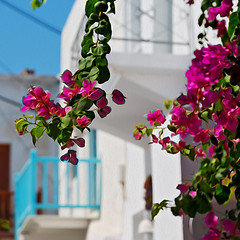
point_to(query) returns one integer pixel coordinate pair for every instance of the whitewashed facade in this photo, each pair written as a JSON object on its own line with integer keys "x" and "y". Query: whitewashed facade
{"x": 152, "y": 46}
{"x": 151, "y": 50}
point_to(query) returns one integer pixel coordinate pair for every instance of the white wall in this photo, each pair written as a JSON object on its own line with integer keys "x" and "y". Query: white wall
{"x": 152, "y": 79}
{"x": 15, "y": 87}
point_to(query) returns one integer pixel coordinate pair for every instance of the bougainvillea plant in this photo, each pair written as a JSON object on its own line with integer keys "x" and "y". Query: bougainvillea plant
{"x": 209, "y": 114}
{"x": 81, "y": 95}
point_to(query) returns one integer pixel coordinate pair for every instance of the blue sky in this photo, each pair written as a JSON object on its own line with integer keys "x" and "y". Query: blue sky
{"x": 26, "y": 44}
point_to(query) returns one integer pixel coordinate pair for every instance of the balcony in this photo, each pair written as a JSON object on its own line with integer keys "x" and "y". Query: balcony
{"x": 52, "y": 197}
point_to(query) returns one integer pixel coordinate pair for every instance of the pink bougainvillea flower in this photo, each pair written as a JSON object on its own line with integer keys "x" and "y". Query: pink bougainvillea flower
{"x": 67, "y": 109}
{"x": 80, "y": 142}
{"x": 83, "y": 121}
{"x": 70, "y": 143}
{"x": 211, "y": 150}
{"x": 39, "y": 100}
{"x": 211, "y": 220}
{"x": 230, "y": 227}
{"x": 213, "y": 234}
{"x": 88, "y": 90}
{"x": 68, "y": 93}
{"x": 183, "y": 187}
{"x": 221, "y": 27}
{"x": 218, "y": 132}
{"x": 56, "y": 110}
{"x": 104, "y": 111}
{"x": 156, "y": 118}
{"x": 154, "y": 139}
{"x": 223, "y": 10}
{"x": 96, "y": 94}
{"x": 137, "y": 135}
{"x": 67, "y": 78}
{"x": 235, "y": 142}
{"x": 193, "y": 194}
{"x": 202, "y": 136}
{"x": 70, "y": 156}
{"x": 102, "y": 102}
{"x": 36, "y": 99}
{"x": 118, "y": 97}
{"x": 200, "y": 153}
{"x": 164, "y": 142}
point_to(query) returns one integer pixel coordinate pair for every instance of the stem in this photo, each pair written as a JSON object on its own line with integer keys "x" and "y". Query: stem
{"x": 80, "y": 101}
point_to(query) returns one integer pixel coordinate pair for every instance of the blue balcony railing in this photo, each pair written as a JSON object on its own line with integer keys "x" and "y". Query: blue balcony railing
{"x": 39, "y": 172}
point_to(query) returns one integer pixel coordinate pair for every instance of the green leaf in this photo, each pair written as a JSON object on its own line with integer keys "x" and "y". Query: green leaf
{"x": 36, "y": 133}
{"x": 160, "y": 133}
{"x": 5, "y": 224}
{"x": 53, "y": 131}
{"x": 86, "y": 63}
{"x": 171, "y": 128}
{"x": 87, "y": 43}
{"x": 189, "y": 206}
{"x": 37, "y": 3}
{"x": 104, "y": 74}
{"x": 203, "y": 203}
{"x": 149, "y": 131}
{"x": 30, "y": 116}
{"x": 89, "y": 7}
{"x": 65, "y": 121}
{"x": 90, "y": 114}
{"x": 159, "y": 206}
{"x": 222, "y": 194}
{"x": 101, "y": 6}
{"x": 93, "y": 18}
{"x": 192, "y": 154}
{"x": 175, "y": 211}
{"x": 218, "y": 106}
{"x": 101, "y": 50}
{"x": 64, "y": 136}
{"x": 168, "y": 103}
{"x": 112, "y": 8}
{"x": 101, "y": 61}
{"x": 20, "y": 124}
{"x": 235, "y": 88}
{"x": 104, "y": 29}
{"x": 233, "y": 24}
{"x": 93, "y": 74}
{"x": 82, "y": 104}
{"x": 42, "y": 120}
{"x": 205, "y": 116}
{"x": 221, "y": 173}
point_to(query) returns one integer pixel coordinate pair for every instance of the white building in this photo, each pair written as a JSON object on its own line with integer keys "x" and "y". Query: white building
{"x": 14, "y": 149}
{"x": 152, "y": 44}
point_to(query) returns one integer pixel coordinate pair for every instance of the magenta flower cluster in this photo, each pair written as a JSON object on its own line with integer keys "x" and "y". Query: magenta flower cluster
{"x": 39, "y": 100}
{"x": 206, "y": 101}
{"x": 77, "y": 110}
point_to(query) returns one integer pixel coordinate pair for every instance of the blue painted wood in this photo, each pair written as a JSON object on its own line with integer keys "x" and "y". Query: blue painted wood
{"x": 32, "y": 179}
{"x": 25, "y": 183}
{"x": 56, "y": 182}
{"x": 93, "y": 143}
{"x": 92, "y": 167}
{"x": 45, "y": 182}
{"x": 78, "y": 184}
{"x": 67, "y": 184}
